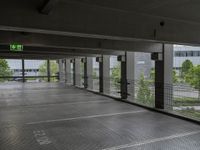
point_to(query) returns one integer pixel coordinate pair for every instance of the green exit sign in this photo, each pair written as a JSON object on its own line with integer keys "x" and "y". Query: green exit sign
{"x": 16, "y": 47}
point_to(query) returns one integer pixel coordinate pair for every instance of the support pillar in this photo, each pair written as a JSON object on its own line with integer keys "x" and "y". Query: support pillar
{"x": 23, "y": 71}
{"x": 130, "y": 65}
{"x": 89, "y": 73}
{"x": 85, "y": 77}
{"x": 104, "y": 74}
{"x": 48, "y": 71}
{"x": 123, "y": 80}
{"x": 100, "y": 61}
{"x": 163, "y": 77}
{"x": 61, "y": 70}
{"x": 77, "y": 69}
{"x": 74, "y": 74}
{"x": 68, "y": 71}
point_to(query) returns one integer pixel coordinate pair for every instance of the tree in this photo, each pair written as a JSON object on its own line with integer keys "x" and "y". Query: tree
{"x": 4, "y": 70}
{"x": 186, "y": 66}
{"x": 144, "y": 93}
{"x": 116, "y": 75}
{"x": 193, "y": 77}
{"x": 152, "y": 75}
{"x": 175, "y": 77}
{"x": 53, "y": 68}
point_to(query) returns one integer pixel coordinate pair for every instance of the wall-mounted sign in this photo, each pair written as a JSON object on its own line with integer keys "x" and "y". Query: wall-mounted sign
{"x": 16, "y": 47}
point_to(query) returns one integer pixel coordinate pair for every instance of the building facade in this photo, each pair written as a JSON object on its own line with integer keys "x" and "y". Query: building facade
{"x": 183, "y": 53}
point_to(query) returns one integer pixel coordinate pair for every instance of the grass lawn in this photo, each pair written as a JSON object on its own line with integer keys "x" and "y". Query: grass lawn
{"x": 186, "y": 101}
{"x": 190, "y": 113}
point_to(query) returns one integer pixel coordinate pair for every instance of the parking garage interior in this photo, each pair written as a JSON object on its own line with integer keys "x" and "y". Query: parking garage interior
{"x": 99, "y": 75}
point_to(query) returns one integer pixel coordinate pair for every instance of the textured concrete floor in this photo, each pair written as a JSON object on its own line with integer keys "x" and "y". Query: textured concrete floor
{"x": 52, "y": 116}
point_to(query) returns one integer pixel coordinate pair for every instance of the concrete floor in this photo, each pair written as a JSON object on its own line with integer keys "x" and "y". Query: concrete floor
{"x": 52, "y": 116}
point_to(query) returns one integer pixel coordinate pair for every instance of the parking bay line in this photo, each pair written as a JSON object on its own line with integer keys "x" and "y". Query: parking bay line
{"x": 86, "y": 117}
{"x": 130, "y": 145}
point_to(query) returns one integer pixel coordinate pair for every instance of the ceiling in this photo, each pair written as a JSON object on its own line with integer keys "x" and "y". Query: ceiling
{"x": 100, "y": 26}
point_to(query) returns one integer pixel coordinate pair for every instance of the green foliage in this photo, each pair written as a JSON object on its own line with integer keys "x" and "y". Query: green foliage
{"x": 195, "y": 114}
{"x": 116, "y": 75}
{"x": 175, "y": 77}
{"x": 186, "y": 66}
{"x": 193, "y": 78}
{"x": 94, "y": 74}
{"x": 152, "y": 75}
{"x": 43, "y": 69}
{"x": 4, "y": 70}
{"x": 186, "y": 101}
{"x": 53, "y": 68}
{"x": 144, "y": 95}
{"x": 82, "y": 68}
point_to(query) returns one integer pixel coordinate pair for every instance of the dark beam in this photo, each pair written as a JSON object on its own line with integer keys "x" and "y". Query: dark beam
{"x": 81, "y": 20}
{"x": 56, "y": 41}
{"x": 48, "y": 6}
{"x": 30, "y": 56}
{"x": 64, "y": 51}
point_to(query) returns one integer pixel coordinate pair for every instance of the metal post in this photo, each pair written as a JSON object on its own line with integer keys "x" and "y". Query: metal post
{"x": 74, "y": 73}
{"x": 84, "y": 61}
{"x": 100, "y": 74}
{"x": 123, "y": 81}
{"x": 48, "y": 71}
{"x": 23, "y": 71}
{"x": 159, "y": 84}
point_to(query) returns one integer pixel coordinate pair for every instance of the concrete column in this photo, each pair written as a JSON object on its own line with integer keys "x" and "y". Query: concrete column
{"x": 168, "y": 76}
{"x": 74, "y": 74}
{"x": 77, "y": 69}
{"x": 100, "y": 60}
{"x": 89, "y": 73}
{"x": 106, "y": 74}
{"x": 65, "y": 71}
{"x": 23, "y": 71}
{"x": 163, "y": 77}
{"x": 61, "y": 70}
{"x": 130, "y": 65}
{"x": 48, "y": 71}
{"x": 85, "y": 77}
{"x": 123, "y": 81}
{"x": 68, "y": 71}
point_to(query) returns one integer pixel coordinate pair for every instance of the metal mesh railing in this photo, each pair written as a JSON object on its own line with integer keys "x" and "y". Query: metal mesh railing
{"x": 112, "y": 86}
{"x": 95, "y": 82}
{"x": 186, "y": 101}
{"x": 181, "y": 99}
{"x": 142, "y": 92}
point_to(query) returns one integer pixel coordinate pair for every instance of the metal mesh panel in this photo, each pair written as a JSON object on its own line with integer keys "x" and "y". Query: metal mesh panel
{"x": 178, "y": 98}
{"x": 95, "y": 81}
{"x": 182, "y": 99}
{"x": 142, "y": 92}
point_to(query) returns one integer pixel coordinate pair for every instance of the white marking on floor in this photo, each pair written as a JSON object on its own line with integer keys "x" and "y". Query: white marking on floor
{"x": 152, "y": 140}
{"x": 86, "y": 117}
{"x": 65, "y": 103}
{"x": 41, "y": 137}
